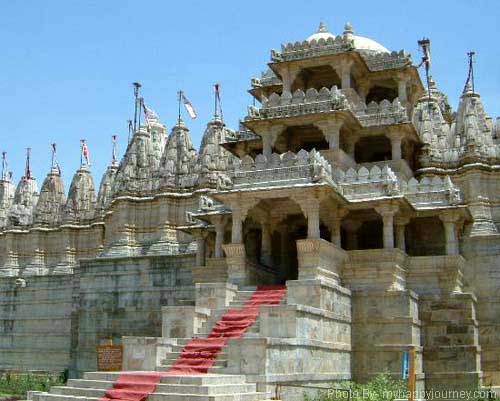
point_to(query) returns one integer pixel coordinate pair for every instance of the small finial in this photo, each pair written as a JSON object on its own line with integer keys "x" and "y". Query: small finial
{"x": 322, "y": 28}
{"x": 468, "y": 88}
{"x": 432, "y": 83}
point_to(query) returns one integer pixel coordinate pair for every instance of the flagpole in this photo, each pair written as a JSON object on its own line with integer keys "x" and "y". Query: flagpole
{"x": 4, "y": 162}
{"x": 179, "y": 108}
{"x": 81, "y": 152}
{"x": 27, "y": 171}
{"x": 139, "y": 114}
{"x": 136, "y": 85}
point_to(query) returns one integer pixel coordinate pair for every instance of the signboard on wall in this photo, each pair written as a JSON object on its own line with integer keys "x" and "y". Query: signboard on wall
{"x": 109, "y": 358}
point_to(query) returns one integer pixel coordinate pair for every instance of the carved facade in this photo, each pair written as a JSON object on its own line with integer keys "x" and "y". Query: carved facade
{"x": 350, "y": 182}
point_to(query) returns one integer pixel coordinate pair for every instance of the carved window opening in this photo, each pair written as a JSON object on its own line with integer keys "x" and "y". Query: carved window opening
{"x": 316, "y": 77}
{"x": 378, "y": 93}
{"x": 425, "y": 237}
{"x": 373, "y": 149}
{"x": 370, "y": 234}
{"x": 306, "y": 137}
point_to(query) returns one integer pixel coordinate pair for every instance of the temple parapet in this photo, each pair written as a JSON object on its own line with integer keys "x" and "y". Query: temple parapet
{"x": 286, "y": 169}
{"x": 312, "y": 48}
{"x": 383, "y": 113}
{"x": 299, "y": 103}
{"x": 387, "y": 61}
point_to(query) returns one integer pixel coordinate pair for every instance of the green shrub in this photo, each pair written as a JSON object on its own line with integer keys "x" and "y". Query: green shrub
{"x": 20, "y": 383}
{"x": 382, "y": 388}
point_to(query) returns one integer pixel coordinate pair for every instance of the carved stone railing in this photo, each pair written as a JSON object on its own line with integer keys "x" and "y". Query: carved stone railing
{"x": 241, "y": 136}
{"x": 386, "y": 61}
{"x": 313, "y": 48}
{"x": 431, "y": 192}
{"x": 383, "y": 113}
{"x": 268, "y": 78}
{"x": 364, "y": 184}
{"x": 299, "y": 103}
{"x": 286, "y": 169}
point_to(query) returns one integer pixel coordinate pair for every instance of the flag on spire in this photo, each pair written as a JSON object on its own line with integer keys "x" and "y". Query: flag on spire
{"x": 4, "y": 165}
{"x": 189, "y": 107}
{"x": 27, "y": 169}
{"x": 54, "y": 158}
{"x": 218, "y": 102}
{"x": 84, "y": 152}
{"x": 114, "y": 159}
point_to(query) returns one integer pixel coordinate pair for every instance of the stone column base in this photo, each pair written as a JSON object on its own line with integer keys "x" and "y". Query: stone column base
{"x": 376, "y": 270}
{"x": 319, "y": 260}
{"x": 215, "y": 271}
{"x": 237, "y": 271}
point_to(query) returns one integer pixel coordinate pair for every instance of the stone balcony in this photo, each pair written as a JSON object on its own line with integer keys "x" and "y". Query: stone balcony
{"x": 286, "y": 169}
{"x": 358, "y": 184}
{"x": 312, "y": 101}
{"x": 299, "y": 103}
{"x": 383, "y": 113}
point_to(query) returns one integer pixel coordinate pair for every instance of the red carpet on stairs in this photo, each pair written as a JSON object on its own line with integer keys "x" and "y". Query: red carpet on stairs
{"x": 199, "y": 354}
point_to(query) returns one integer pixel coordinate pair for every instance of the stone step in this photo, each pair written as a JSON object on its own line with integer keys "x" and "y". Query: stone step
{"x": 199, "y": 380}
{"x": 212, "y": 370}
{"x": 250, "y": 396}
{"x": 78, "y": 391}
{"x": 98, "y": 389}
{"x": 217, "y": 362}
{"x": 82, "y": 383}
{"x": 59, "y": 397}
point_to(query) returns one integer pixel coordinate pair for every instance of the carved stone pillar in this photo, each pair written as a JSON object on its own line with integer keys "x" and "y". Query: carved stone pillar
{"x": 395, "y": 138}
{"x": 269, "y": 139}
{"x": 450, "y": 219}
{"x": 336, "y": 226}
{"x": 345, "y": 73}
{"x": 331, "y": 131}
{"x": 402, "y": 88}
{"x": 350, "y": 143}
{"x": 351, "y": 227}
{"x": 288, "y": 76}
{"x": 200, "y": 249}
{"x": 219, "y": 223}
{"x": 266, "y": 256}
{"x": 400, "y": 224}
{"x": 387, "y": 212}
{"x": 284, "y": 262}
{"x": 363, "y": 90}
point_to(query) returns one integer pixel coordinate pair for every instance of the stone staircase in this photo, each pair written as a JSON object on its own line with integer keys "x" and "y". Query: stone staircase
{"x": 213, "y": 386}
{"x": 220, "y": 363}
{"x": 208, "y": 387}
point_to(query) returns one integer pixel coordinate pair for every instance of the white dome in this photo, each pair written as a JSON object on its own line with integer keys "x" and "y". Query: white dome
{"x": 320, "y": 35}
{"x": 362, "y": 43}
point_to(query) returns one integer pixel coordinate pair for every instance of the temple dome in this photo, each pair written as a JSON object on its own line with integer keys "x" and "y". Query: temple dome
{"x": 360, "y": 42}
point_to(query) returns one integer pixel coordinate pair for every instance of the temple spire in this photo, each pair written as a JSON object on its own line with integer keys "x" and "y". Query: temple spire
{"x": 469, "y": 83}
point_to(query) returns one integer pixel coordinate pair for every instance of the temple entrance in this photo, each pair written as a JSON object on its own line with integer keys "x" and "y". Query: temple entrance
{"x": 273, "y": 248}
{"x": 271, "y": 241}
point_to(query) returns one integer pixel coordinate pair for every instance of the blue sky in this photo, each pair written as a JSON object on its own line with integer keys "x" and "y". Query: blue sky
{"x": 67, "y": 66}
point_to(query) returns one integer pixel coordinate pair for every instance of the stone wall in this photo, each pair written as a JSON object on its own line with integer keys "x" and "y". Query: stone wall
{"x": 35, "y": 323}
{"x": 118, "y": 297}
{"x": 56, "y": 321}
